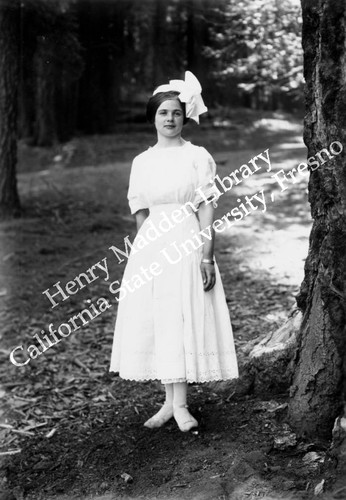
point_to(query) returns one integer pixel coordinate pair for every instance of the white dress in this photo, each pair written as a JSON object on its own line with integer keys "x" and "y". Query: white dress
{"x": 168, "y": 328}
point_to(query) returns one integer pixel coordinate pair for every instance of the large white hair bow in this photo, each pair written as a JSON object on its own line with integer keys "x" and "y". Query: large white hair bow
{"x": 189, "y": 92}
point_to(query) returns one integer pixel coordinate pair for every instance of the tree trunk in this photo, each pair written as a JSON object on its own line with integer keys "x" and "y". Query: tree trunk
{"x": 101, "y": 32}
{"x": 196, "y": 39}
{"x": 45, "y": 125}
{"x": 159, "y": 52}
{"x": 9, "y": 44}
{"x": 318, "y": 385}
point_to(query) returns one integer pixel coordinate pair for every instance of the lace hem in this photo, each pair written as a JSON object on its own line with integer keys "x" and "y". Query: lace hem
{"x": 189, "y": 379}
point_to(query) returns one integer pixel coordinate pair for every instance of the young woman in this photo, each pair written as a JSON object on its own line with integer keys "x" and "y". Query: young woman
{"x": 173, "y": 322}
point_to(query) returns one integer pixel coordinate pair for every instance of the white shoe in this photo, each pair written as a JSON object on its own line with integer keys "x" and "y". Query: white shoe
{"x": 160, "y": 418}
{"x": 184, "y": 419}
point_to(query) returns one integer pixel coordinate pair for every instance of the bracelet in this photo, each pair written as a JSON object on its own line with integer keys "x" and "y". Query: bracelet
{"x": 207, "y": 261}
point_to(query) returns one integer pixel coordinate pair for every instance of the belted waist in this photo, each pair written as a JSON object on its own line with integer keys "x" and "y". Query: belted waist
{"x": 168, "y": 208}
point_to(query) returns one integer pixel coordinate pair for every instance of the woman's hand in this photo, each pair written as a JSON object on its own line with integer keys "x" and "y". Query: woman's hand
{"x": 208, "y": 276}
{"x": 206, "y": 217}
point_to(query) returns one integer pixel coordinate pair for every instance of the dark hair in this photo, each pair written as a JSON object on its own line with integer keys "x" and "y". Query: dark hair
{"x": 156, "y": 100}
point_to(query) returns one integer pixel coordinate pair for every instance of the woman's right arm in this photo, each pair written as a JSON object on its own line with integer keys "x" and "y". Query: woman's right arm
{"x": 141, "y": 215}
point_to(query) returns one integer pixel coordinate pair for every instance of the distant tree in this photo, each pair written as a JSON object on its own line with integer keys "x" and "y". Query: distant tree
{"x": 9, "y": 52}
{"x": 106, "y": 35}
{"x": 198, "y": 23}
{"x": 50, "y": 65}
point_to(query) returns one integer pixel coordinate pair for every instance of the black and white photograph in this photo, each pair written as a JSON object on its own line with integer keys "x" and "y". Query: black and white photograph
{"x": 172, "y": 249}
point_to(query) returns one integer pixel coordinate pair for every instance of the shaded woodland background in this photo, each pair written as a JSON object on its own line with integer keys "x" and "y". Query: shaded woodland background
{"x": 86, "y": 69}
{"x": 86, "y": 66}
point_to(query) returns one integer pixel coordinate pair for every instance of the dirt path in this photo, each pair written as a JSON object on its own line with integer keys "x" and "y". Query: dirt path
{"x": 75, "y": 430}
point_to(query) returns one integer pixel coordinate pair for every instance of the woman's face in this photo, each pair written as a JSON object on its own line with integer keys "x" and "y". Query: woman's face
{"x": 169, "y": 118}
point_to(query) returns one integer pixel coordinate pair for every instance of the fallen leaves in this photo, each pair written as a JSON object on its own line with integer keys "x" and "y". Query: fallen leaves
{"x": 58, "y": 391}
{"x": 285, "y": 438}
{"x": 126, "y": 477}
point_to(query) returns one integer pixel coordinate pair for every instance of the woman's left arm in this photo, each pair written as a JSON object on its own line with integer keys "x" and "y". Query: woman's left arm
{"x": 206, "y": 219}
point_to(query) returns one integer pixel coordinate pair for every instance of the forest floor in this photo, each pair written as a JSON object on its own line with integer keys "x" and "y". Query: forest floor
{"x": 69, "y": 428}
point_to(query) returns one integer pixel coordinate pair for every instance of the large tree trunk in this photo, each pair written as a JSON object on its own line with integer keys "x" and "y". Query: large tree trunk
{"x": 318, "y": 386}
{"x": 9, "y": 44}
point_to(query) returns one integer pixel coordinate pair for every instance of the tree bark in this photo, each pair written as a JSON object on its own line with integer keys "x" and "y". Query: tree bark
{"x": 271, "y": 361}
{"x": 318, "y": 386}
{"x": 9, "y": 44}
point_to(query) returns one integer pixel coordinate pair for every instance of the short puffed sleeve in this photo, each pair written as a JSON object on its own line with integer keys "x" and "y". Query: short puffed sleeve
{"x": 135, "y": 195}
{"x": 206, "y": 171}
